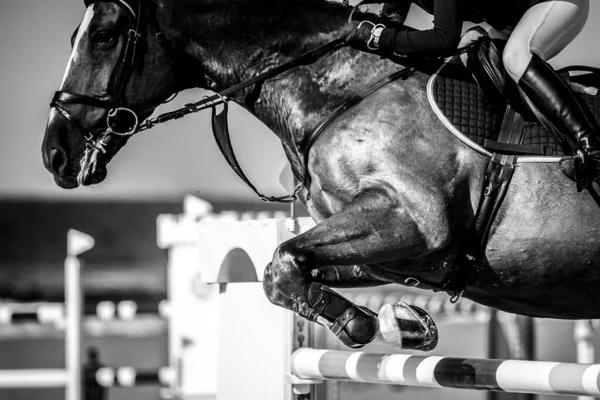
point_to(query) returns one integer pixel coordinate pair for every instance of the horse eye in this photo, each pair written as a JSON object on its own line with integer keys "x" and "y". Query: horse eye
{"x": 104, "y": 37}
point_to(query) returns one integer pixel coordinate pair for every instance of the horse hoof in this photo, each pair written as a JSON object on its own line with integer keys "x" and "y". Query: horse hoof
{"x": 355, "y": 326}
{"x": 407, "y": 327}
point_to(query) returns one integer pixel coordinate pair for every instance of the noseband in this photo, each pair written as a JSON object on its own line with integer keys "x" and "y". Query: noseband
{"x": 132, "y": 55}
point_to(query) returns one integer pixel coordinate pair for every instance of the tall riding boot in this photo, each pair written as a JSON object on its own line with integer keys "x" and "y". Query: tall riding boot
{"x": 558, "y": 109}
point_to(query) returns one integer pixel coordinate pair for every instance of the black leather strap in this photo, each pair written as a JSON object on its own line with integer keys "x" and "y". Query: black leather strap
{"x": 404, "y": 73}
{"x": 220, "y": 129}
{"x": 73, "y": 98}
{"x": 133, "y": 54}
{"x": 506, "y": 148}
{"x": 511, "y": 135}
{"x": 496, "y": 182}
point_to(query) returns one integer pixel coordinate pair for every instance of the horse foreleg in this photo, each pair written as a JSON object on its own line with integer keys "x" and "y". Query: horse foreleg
{"x": 400, "y": 324}
{"x": 374, "y": 228}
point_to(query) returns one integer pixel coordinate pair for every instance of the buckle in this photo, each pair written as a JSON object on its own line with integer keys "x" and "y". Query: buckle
{"x": 488, "y": 190}
{"x": 410, "y": 281}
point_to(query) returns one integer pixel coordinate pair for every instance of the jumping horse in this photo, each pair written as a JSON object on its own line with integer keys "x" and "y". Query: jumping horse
{"x": 394, "y": 192}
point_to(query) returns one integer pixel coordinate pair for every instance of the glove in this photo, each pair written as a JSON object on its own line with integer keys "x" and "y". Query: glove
{"x": 364, "y": 35}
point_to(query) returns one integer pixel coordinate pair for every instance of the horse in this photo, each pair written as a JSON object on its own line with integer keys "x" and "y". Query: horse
{"x": 393, "y": 194}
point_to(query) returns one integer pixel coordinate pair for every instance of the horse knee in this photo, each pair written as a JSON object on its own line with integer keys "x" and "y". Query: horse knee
{"x": 516, "y": 58}
{"x": 270, "y": 286}
{"x": 285, "y": 267}
{"x": 287, "y": 256}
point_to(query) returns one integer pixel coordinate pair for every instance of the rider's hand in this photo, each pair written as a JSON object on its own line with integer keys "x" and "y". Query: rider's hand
{"x": 364, "y": 35}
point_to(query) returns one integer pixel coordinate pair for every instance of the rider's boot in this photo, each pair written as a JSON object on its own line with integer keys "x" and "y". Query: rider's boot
{"x": 559, "y": 110}
{"x": 355, "y": 326}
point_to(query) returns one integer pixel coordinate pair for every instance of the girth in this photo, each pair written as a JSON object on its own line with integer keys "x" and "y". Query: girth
{"x": 468, "y": 265}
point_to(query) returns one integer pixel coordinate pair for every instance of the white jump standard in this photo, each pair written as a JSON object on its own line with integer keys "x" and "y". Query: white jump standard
{"x": 70, "y": 378}
{"x": 514, "y": 376}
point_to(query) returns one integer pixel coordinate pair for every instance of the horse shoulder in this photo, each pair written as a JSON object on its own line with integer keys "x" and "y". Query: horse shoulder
{"x": 392, "y": 141}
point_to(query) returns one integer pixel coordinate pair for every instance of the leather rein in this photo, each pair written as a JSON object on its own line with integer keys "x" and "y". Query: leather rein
{"x": 133, "y": 54}
{"x": 219, "y": 119}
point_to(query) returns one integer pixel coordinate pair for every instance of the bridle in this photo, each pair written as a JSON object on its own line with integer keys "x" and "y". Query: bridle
{"x": 132, "y": 54}
{"x": 131, "y": 58}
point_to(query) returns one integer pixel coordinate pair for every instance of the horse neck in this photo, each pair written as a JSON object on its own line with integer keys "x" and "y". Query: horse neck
{"x": 236, "y": 40}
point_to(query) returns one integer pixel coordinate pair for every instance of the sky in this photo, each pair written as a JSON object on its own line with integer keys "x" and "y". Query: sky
{"x": 161, "y": 164}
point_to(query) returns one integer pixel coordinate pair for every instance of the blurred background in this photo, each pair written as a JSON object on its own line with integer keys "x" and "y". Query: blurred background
{"x": 148, "y": 177}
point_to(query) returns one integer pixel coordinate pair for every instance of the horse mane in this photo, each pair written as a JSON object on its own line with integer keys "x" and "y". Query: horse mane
{"x": 283, "y": 24}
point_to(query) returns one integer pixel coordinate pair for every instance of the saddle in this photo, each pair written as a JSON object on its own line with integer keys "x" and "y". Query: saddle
{"x": 477, "y": 102}
{"x": 482, "y": 106}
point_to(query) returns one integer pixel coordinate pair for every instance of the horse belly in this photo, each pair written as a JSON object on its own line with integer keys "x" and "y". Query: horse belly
{"x": 544, "y": 256}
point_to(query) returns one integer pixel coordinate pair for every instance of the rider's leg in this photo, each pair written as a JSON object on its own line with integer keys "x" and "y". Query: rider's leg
{"x": 545, "y": 30}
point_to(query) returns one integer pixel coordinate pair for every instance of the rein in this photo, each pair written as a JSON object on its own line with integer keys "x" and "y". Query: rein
{"x": 221, "y": 97}
{"x": 219, "y": 120}
{"x": 131, "y": 57}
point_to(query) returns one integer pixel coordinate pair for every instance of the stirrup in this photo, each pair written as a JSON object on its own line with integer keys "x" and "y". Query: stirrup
{"x": 355, "y": 326}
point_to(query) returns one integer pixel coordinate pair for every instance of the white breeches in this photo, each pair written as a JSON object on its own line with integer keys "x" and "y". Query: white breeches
{"x": 545, "y": 29}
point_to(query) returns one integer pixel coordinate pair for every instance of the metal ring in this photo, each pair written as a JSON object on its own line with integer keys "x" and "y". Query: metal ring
{"x": 112, "y": 113}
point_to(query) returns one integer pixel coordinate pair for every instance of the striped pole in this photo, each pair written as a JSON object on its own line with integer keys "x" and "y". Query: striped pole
{"x": 513, "y": 376}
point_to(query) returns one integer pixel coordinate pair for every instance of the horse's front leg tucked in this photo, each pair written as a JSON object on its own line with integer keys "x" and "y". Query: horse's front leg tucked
{"x": 375, "y": 228}
{"x": 343, "y": 276}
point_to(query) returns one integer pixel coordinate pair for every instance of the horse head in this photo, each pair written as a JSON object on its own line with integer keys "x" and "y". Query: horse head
{"x": 119, "y": 71}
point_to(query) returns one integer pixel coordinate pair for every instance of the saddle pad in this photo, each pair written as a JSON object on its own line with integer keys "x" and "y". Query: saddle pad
{"x": 455, "y": 94}
{"x": 463, "y": 105}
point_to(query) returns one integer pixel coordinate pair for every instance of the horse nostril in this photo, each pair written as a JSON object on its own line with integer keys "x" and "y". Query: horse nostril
{"x": 57, "y": 160}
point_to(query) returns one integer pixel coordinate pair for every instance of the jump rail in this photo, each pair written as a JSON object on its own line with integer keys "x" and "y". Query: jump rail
{"x": 514, "y": 376}
{"x": 224, "y": 257}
